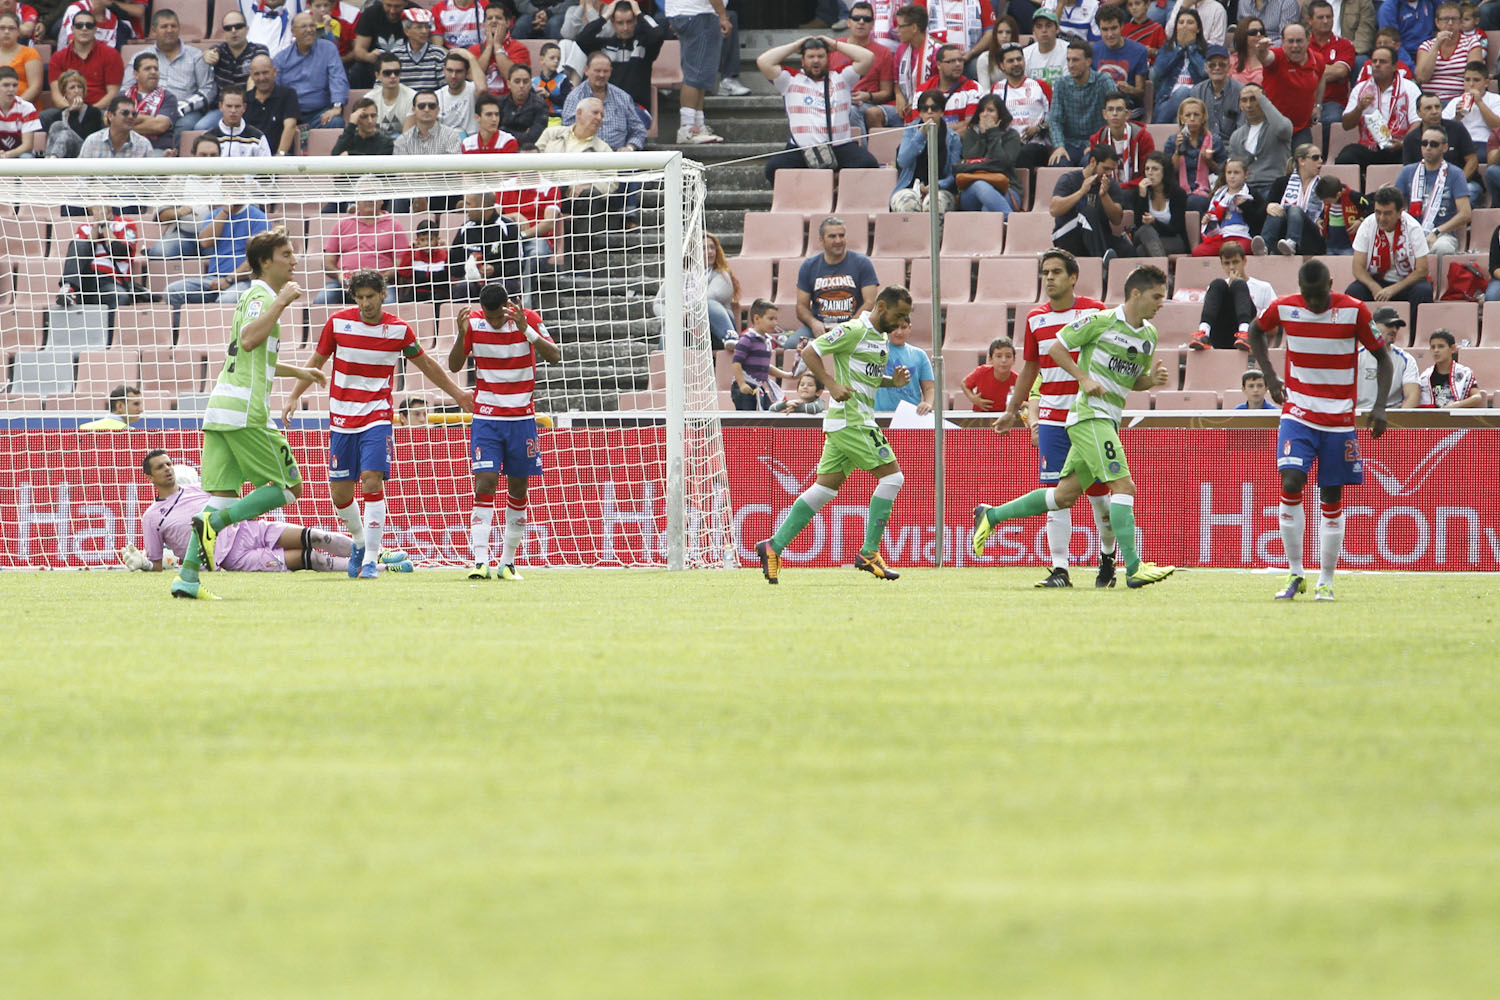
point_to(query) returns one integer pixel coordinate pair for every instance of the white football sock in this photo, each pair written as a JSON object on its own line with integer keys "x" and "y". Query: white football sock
{"x": 515, "y": 530}
{"x": 1059, "y": 531}
{"x": 1293, "y": 527}
{"x": 479, "y": 528}
{"x": 1331, "y": 542}
{"x": 330, "y": 541}
{"x": 349, "y": 518}
{"x": 374, "y": 526}
{"x": 1100, "y": 504}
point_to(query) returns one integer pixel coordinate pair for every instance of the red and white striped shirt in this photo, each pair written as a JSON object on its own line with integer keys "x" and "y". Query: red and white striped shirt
{"x": 456, "y": 26}
{"x": 1059, "y": 389}
{"x": 16, "y": 121}
{"x": 1322, "y": 357}
{"x": 364, "y": 363}
{"x": 501, "y": 142}
{"x": 505, "y": 367}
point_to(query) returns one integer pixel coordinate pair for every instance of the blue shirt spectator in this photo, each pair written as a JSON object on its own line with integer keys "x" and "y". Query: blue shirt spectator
{"x": 1129, "y": 64}
{"x": 919, "y": 390}
{"x": 623, "y": 123}
{"x": 229, "y": 248}
{"x": 1415, "y": 21}
{"x": 316, "y": 76}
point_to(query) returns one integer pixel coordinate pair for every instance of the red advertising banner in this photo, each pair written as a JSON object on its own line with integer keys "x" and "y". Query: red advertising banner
{"x": 1207, "y": 497}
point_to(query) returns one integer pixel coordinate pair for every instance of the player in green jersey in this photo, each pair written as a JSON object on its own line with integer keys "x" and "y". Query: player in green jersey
{"x": 852, "y": 440}
{"x": 240, "y": 441}
{"x": 1115, "y": 349}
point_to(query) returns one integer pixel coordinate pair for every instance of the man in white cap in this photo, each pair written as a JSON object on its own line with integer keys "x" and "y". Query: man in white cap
{"x": 421, "y": 58}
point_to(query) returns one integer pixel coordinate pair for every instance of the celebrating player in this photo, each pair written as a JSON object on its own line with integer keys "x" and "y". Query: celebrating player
{"x": 365, "y": 342}
{"x": 1324, "y": 331}
{"x": 851, "y": 438}
{"x": 247, "y": 547}
{"x": 1113, "y": 348}
{"x": 1059, "y": 278}
{"x": 240, "y": 443}
{"x": 505, "y": 341}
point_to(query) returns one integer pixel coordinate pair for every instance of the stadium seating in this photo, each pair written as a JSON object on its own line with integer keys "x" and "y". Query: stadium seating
{"x": 1459, "y": 318}
{"x": 1006, "y": 279}
{"x": 954, "y": 275}
{"x": 902, "y": 234}
{"x": 1484, "y": 360}
{"x": 1045, "y": 180}
{"x": 1485, "y": 222}
{"x": 755, "y": 278}
{"x": 865, "y": 190}
{"x": 48, "y": 372}
{"x": 771, "y": 234}
{"x": 166, "y": 370}
{"x": 884, "y": 142}
{"x": 972, "y": 234}
{"x": 78, "y": 329}
{"x": 971, "y": 326}
{"x": 1490, "y": 323}
{"x": 1438, "y": 270}
{"x": 100, "y": 371}
{"x": 1215, "y": 371}
{"x": 890, "y": 270}
{"x": 1120, "y": 269}
{"x": 808, "y": 193}
{"x": 1201, "y": 399}
{"x": 1028, "y": 233}
{"x": 1379, "y": 175}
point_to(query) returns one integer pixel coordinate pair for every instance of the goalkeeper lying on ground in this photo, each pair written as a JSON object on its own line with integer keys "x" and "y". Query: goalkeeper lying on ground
{"x": 246, "y": 547}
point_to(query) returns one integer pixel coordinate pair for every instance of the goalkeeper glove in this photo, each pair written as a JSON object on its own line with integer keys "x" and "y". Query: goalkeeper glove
{"x": 134, "y": 559}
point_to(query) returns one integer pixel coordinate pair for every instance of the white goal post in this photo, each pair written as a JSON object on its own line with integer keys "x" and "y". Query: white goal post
{"x": 103, "y": 314}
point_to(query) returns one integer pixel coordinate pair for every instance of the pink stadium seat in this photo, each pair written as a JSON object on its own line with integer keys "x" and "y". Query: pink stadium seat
{"x": 186, "y": 139}
{"x": 320, "y": 141}
{"x": 953, "y": 272}
{"x": 1028, "y": 233}
{"x": 1346, "y": 172}
{"x": 884, "y": 142}
{"x": 972, "y": 234}
{"x": 204, "y": 331}
{"x": 1459, "y": 318}
{"x": 1161, "y": 133}
{"x": 1279, "y": 271}
{"x": 653, "y": 399}
{"x": 1186, "y": 400}
{"x": 1484, "y": 223}
{"x": 1215, "y": 370}
{"x": 101, "y": 371}
{"x": 165, "y": 370}
{"x": 1340, "y": 270}
{"x": 1176, "y": 322}
{"x": 890, "y": 270}
{"x": 1489, "y": 327}
{"x": 902, "y": 234}
{"x": 1091, "y": 276}
{"x": 856, "y": 225}
{"x": 786, "y": 278}
{"x": 1486, "y": 364}
{"x": 971, "y": 326}
{"x": 1194, "y": 273}
{"x": 1379, "y": 175}
{"x": 921, "y": 329}
{"x": 195, "y": 17}
{"x": 755, "y": 278}
{"x": 656, "y": 368}
{"x": 1338, "y": 138}
{"x": 1007, "y": 279}
{"x": 804, "y": 192}
{"x": 1120, "y": 270}
{"x": 865, "y": 190}
{"x": 143, "y": 326}
{"x": 771, "y": 234}
{"x": 1045, "y": 181}
{"x": 958, "y": 362}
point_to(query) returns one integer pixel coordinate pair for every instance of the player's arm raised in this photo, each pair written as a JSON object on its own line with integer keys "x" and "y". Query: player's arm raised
{"x": 459, "y": 352}
{"x": 1086, "y": 385}
{"x": 444, "y": 381}
{"x": 255, "y": 332}
{"x": 545, "y": 349}
{"x": 315, "y": 364}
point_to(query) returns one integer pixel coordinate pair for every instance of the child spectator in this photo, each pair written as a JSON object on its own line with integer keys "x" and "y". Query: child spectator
{"x": 1253, "y": 385}
{"x": 426, "y": 277}
{"x": 1446, "y": 384}
{"x": 988, "y": 386}
{"x": 809, "y": 398}
{"x": 753, "y": 371}
{"x": 550, "y": 83}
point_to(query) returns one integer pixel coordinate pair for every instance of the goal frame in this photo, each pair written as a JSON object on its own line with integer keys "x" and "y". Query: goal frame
{"x": 673, "y": 318}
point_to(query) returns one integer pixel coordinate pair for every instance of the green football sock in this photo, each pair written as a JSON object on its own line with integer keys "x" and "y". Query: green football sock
{"x": 258, "y": 501}
{"x": 880, "y": 513}
{"x": 1122, "y": 519}
{"x": 796, "y": 519}
{"x": 1028, "y": 505}
{"x": 192, "y": 560}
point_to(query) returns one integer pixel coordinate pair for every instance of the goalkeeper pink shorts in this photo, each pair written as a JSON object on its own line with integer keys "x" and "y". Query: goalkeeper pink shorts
{"x": 251, "y": 547}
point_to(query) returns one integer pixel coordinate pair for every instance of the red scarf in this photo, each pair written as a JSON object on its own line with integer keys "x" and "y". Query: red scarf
{"x": 146, "y": 104}
{"x": 1383, "y": 253}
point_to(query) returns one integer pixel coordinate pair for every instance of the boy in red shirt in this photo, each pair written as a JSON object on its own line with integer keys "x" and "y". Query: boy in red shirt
{"x": 988, "y": 386}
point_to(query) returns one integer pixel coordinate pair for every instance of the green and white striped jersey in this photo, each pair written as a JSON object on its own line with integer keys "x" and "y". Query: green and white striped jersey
{"x": 1112, "y": 353}
{"x": 242, "y": 395}
{"x": 859, "y": 352}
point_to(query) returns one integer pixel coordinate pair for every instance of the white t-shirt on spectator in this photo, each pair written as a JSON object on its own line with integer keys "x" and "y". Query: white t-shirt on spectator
{"x": 1473, "y": 120}
{"x": 1050, "y": 66}
{"x": 1404, "y": 260}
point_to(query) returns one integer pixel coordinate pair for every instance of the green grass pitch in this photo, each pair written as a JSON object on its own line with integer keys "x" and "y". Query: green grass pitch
{"x": 653, "y": 785}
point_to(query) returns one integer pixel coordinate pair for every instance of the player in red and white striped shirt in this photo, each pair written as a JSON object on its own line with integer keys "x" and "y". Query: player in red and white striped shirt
{"x": 1043, "y": 324}
{"x": 1324, "y": 332}
{"x": 365, "y": 343}
{"x": 505, "y": 341}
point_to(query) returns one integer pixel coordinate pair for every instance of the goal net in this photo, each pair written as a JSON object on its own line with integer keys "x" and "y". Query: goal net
{"x": 117, "y": 287}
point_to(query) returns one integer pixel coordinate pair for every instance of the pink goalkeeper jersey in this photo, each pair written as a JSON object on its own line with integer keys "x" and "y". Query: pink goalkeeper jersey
{"x": 1322, "y": 357}
{"x": 1058, "y": 387}
{"x": 364, "y": 363}
{"x": 505, "y": 366}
